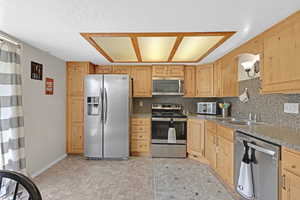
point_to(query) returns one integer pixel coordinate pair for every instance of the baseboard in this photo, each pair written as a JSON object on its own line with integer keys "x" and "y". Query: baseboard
{"x": 48, "y": 166}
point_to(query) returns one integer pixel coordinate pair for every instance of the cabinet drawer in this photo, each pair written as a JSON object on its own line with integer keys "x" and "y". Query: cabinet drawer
{"x": 225, "y": 132}
{"x": 291, "y": 161}
{"x": 140, "y": 136}
{"x": 211, "y": 126}
{"x": 140, "y": 121}
{"x": 142, "y": 129}
{"x": 140, "y": 146}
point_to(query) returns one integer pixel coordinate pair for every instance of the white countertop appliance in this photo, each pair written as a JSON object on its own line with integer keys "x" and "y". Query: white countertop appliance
{"x": 207, "y": 108}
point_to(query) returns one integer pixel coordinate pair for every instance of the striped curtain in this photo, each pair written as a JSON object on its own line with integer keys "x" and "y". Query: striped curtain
{"x": 12, "y": 143}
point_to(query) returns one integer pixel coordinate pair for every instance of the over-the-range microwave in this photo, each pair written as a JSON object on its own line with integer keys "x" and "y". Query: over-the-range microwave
{"x": 167, "y": 86}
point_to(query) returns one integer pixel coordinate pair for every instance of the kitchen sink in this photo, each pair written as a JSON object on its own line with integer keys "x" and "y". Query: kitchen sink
{"x": 240, "y": 122}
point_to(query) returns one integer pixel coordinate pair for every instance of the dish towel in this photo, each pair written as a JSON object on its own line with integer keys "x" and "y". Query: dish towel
{"x": 245, "y": 181}
{"x": 171, "y": 133}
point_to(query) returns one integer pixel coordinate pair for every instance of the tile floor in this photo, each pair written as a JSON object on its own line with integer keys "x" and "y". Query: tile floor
{"x": 75, "y": 178}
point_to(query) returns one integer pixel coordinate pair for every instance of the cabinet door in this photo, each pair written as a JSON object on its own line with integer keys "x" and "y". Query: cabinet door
{"x": 76, "y": 73}
{"x": 121, "y": 70}
{"x": 76, "y": 145}
{"x": 204, "y": 81}
{"x": 290, "y": 186}
{"x": 229, "y": 77}
{"x": 189, "y": 81}
{"x": 176, "y": 71}
{"x": 196, "y": 136}
{"x": 225, "y": 163}
{"x": 159, "y": 71}
{"x": 281, "y": 71}
{"x": 217, "y": 79}
{"x": 103, "y": 69}
{"x": 142, "y": 81}
{"x": 210, "y": 148}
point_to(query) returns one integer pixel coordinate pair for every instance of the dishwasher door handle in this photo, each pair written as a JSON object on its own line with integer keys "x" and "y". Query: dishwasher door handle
{"x": 261, "y": 149}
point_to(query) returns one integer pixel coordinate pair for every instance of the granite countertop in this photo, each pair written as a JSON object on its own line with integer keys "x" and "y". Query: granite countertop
{"x": 287, "y": 137}
{"x": 142, "y": 115}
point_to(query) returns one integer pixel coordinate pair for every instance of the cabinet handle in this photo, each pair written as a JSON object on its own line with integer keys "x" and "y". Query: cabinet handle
{"x": 283, "y": 182}
{"x": 293, "y": 166}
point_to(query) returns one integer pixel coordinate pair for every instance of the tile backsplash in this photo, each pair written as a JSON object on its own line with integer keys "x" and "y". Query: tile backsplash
{"x": 188, "y": 103}
{"x": 269, "y": 106}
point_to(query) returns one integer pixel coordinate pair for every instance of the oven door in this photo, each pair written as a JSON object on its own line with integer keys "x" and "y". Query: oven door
{"x": 167, "y": 87}
{"x": 160, "y": 128}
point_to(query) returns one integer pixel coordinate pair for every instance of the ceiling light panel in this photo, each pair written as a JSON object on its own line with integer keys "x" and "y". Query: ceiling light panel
{"x": 120, "y": 49}
{"x": 155, "y": 49}
{"x": 193, "y": 48}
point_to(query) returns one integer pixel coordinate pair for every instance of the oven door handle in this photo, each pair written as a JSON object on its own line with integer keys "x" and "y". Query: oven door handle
{"x": 158, "y": 119}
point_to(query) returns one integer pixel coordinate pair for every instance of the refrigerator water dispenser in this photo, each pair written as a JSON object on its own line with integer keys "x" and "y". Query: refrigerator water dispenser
{"x": 93, "y": 105}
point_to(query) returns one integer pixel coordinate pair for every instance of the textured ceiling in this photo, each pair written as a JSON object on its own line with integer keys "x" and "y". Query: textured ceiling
{"x": 54, "y": 25}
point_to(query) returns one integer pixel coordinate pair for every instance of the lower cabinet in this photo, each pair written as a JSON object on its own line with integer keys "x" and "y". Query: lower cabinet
{"x": 195, "y": 138}
{"x": 290, "y": 175}
{"x": 219, "y": 150}
{"x": 140, "y": 138}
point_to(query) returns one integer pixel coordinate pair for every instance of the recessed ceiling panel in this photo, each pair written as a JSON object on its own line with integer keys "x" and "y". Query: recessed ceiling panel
{"x": 193, "y": 48}
{"x": 154, "y": 49}
{"x": 120, "y": 49}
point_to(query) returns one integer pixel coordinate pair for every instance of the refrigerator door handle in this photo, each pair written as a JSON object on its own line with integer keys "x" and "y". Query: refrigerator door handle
{"x": 105, "y": 105}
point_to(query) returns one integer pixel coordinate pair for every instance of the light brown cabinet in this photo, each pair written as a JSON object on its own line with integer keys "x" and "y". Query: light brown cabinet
{"x": 229, "y": 76}
{"x": 281, "y": 71}
{"x": 290, "y": 175}
{"x": 142, "y": 81}
{"x": 205, "y": 80}
{"x": 116, "y": 69}
{"x": 210, "y": 143}
{"x": 140, "y": 136}
{"x": 164, "y": 71}
{"x": 218, "y": 79}
{"x": 195, "y": 138}
{"x": 189, "y": 81}
{"x": 103, "y": 69}
{"x": 75, "y": 82}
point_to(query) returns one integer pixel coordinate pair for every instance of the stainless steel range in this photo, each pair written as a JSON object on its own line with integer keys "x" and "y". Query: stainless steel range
{"x": 168, "y": 131}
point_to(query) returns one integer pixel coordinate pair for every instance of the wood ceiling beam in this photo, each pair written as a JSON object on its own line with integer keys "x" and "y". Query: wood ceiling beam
{"x": 227, "y": 36}
{"x": 136, "y": 47}
{"x": 97, "y": 47}
{"x": 175, "y": 47}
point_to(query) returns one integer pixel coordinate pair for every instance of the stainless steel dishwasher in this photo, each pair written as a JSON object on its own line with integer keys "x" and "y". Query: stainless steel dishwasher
{"x": 265, "y": 165}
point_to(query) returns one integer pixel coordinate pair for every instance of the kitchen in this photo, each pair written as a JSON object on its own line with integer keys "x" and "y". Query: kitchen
{"x": 175, "y": 123}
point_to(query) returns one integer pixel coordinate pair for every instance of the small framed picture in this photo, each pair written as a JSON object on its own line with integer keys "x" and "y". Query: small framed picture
{"x": 36, "y": 71}
{"x": 49, "y": 86}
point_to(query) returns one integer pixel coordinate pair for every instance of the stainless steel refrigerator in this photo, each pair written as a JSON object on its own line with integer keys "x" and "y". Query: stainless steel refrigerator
{"x": 106, "y": 121}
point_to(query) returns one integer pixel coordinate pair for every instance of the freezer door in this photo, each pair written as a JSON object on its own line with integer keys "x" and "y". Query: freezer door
{"x": 93, "y": 112}
{"x": 116, "y": 116}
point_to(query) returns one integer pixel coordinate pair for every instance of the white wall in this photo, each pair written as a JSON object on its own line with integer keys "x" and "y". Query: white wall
{"x": 44, "y": 115}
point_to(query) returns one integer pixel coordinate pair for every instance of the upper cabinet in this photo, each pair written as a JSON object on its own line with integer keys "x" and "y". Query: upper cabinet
{"x": 165, "y": 71}
{"x": 281, "y": 69}
{"x": 205, "y": 80}
{"x": 119, "y": 69}
{"x": 189, "y": 81}
{"x": 142, "y": 81}
{"x": 229, "y": 74}
{"x": 103, "y": 69}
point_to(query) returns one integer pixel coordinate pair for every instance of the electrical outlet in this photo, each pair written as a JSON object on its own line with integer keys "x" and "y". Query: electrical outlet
{"x": 141, "y": 103}
{"x": 291, "y": 108}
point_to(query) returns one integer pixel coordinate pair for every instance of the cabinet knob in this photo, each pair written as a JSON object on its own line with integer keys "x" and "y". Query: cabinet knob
{"x": 293, "y": 166}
